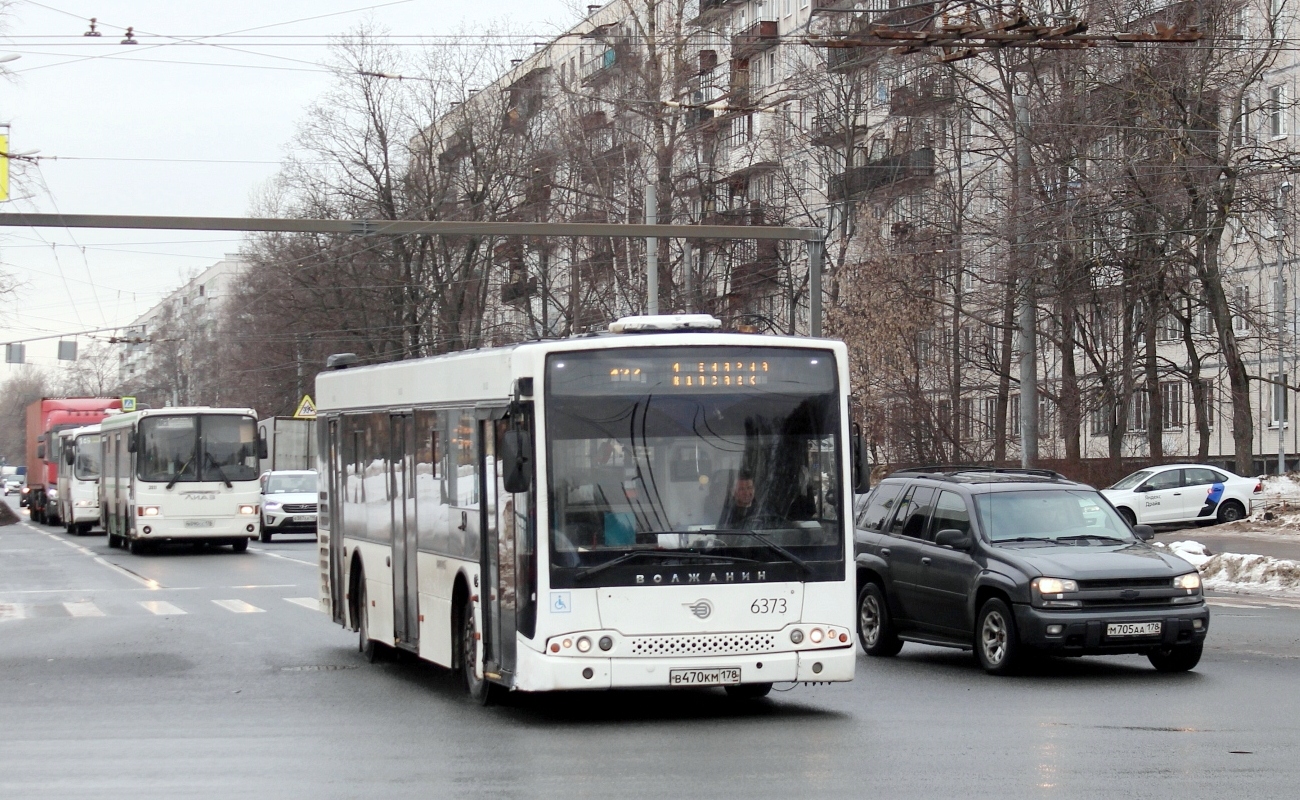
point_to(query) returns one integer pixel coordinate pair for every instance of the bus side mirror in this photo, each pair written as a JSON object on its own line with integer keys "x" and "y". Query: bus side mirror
{"x": 516, "y": 461}
{"x": 130, "y": 442}
{"x": 261, "y": 447}
{"x": 861, "y": 463}
{"x": 68, "y": 456}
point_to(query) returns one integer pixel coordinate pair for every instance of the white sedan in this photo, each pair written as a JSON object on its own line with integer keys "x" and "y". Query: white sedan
{"x": 1183, "y": 493}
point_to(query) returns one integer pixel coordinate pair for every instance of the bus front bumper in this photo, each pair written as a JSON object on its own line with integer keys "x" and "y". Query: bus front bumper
{"x": 155, "y": 528}
{"x": 539, "y": 672}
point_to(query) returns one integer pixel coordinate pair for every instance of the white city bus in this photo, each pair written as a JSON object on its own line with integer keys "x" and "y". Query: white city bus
{"x": 181, "y": 474}
{"x": 79, "y": 478}
{"x": 636, "y": 510}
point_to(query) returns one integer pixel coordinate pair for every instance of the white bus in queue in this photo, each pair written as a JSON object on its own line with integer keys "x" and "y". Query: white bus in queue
{"x": 78, "y": 485}
{"x": 181, "y": 475}
{"x": 648, "y": 509}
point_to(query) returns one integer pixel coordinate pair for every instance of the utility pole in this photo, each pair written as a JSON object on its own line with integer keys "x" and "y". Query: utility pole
{"x": 651, "y": 250}
{"x": 1279, "y": 389}
{"x": 1028, "y": 312}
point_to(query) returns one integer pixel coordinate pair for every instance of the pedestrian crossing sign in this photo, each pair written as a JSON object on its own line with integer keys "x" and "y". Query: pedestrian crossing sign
{"x": 306, "y": 409}
{"x": 128, "y": 404}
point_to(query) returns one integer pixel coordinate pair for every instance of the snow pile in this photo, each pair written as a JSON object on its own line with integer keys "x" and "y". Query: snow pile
{"x": 1239, "y": 572}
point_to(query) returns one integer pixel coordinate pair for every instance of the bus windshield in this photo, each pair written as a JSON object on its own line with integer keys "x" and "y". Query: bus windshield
{"x": 203, "y": 447}
{"x": 90, "y": 456}
{"x": 691, "y": 452}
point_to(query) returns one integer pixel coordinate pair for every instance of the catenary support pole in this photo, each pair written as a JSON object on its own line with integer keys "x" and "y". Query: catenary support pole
{"x": 1028, "y": 312}
{"x": 816, "y": 255}
{"x": 651, "y": 250}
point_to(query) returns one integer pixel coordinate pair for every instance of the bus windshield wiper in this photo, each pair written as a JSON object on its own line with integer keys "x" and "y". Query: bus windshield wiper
{"x": 217, "y": 467}
{"x": 178, "y": 475}
{"x": 768, "y": 543}
{"x": 687, "y": 555}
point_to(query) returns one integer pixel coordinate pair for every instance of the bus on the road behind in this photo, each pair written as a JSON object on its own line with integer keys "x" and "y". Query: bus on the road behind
{"x": 181, "y": 475}
{"x": 650, "y": 509}
{"x": 78, "y": 498}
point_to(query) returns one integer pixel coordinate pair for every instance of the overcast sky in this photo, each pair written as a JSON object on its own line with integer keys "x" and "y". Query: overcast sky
{"x": 167, "y": 127}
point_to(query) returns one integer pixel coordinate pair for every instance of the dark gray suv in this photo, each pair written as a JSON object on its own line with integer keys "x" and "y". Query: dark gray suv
{"x": 1010, "y": 561}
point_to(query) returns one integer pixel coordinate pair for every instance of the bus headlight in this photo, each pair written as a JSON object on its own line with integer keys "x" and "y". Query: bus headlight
{"x": 584, "y": 644}
{"x": 248, "y": 510}
{"x": 147, "y": 511}
{"x": 53, "y": 494}
{"x": 85, "y": 503}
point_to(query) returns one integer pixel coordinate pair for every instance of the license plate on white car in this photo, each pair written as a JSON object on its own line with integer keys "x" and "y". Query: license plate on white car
{"x": 704, "y": 677}
{"x": 1133, "y": 629}
{"x": 198, "y": 523}
{"x": 304, "y": 517}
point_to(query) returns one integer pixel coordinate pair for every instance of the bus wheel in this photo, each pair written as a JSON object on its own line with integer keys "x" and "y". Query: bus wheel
{"x": 239, "y": 545}
{"x": 479, "y": 689}
{"x": 369, "y": 647}
{"x": 137, "y": 546}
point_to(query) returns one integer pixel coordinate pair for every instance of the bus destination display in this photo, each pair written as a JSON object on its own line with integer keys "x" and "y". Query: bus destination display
{"x": 690, "y": 369}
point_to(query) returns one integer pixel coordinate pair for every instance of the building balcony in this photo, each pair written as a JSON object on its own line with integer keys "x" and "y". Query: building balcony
{"x": 858, "y": 182}
{"x": 518, "y": 291}
{"x": 830, "y": 129}
{"x": 604, "y": 67}
{"x": 711, "y": 10}
{"x": 849, "y": 59}
{"x": 922, "y": 97}
{"x": 754, "y": 39}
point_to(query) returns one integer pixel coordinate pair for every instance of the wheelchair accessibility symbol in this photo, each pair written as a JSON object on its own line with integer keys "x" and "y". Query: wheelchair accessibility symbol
{"x": 561, "y": 603}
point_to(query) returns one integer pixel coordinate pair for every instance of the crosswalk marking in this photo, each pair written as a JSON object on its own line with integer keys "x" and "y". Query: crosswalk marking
{"x": 239, "y": 606}
{"x": 11, "y": 611}
{"x": 83, "y": 608}
{"x": 305, "y": 602}
{"x": 161, "y": 607}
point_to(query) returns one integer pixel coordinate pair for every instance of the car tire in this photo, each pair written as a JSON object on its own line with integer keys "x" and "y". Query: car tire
{"x": 748, "y": 691}
{"x": 875, "y": 628}
{"x": 1128, "y": 516}
{"x": 478, "y": 689}
{"x": 1177, "y": 658}
{"x": 1230, "y": 511}
{"x": 239, "y": 545}
{"x": 263, "y": 534}
{"x": 997, "y": 644}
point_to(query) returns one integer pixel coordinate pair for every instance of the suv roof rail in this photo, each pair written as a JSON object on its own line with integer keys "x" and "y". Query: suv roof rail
{"x": 948, "y": 470}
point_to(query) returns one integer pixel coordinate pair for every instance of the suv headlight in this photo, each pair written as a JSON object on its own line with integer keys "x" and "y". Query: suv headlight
{"x": 1191, "y": 582}
{"x": 271, "y": 505}
{"x": 1050, "y": 592}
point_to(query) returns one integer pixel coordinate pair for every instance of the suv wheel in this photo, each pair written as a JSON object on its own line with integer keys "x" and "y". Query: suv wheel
{"x": 875, "y": 630}
{"x": 1175, "y": 659}
{"x": 997, "y": 645}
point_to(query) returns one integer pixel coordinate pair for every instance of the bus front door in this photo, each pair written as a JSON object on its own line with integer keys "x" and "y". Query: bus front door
{"x": 497, "y": 558}
{"x": 401, "y": 484}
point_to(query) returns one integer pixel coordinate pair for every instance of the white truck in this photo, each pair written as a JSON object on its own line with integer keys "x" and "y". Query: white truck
{"x": 290, "y": 444}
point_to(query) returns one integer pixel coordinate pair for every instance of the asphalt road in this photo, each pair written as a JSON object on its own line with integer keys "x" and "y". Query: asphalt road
{"x": 207, "y": 674}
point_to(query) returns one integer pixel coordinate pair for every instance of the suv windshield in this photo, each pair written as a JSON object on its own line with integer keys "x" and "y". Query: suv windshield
{"x": 291, "y": 484}
{"x": 1049, "y": 515}
{"x": 1133, "y": 480}
{"x": 694, "y": 449}
{"x": 169, "y": 448}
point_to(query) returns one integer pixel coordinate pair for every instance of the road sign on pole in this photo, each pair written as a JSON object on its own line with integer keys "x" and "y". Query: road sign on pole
{"x": 128, "y": 404}
{"x": 306, "y": 408}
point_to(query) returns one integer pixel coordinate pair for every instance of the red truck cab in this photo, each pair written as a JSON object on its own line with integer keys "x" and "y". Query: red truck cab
{"x": 45, "y": 416}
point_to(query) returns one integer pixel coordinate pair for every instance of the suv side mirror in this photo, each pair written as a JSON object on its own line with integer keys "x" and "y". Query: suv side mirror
{"x": 516, "y": 461}
{"x": 951, "y": 537}
{"x": 1144, "y": 532}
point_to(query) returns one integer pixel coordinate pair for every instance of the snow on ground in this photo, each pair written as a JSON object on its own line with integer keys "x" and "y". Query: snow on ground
{"x": 1238, "y": 572}
{"x": 1276, "y": 509}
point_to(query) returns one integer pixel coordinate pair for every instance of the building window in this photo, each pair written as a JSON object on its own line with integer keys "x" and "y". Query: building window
{"x": 1277, "y": 111}
{"x": 1013, "y": 413}
{"x": 1171, "y": 396}
{"x": 1281, "y": 401}
{"x": 1207, "y": 402}
{"x": 924, "y": 349}
{"x": 968, "y": 418}
{"x": 1046, "y": 418}
{"x": 1169, "y": 329}
{"x": 1140, "y": 411}
{"x": 990, "y": 414}
{"x": 1240, "y": 320}
{"x": 1099, "y": 417}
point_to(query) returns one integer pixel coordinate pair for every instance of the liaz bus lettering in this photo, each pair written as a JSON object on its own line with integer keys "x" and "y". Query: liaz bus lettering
{"x": 181, "y": 474}
{"x": 660, "y": 509}
{"x": 78, "y": 497}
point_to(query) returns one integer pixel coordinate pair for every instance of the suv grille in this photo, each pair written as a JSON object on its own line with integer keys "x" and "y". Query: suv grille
{"x": 723, "y": 644}
{"x": 1127, "y": 583}
{"x": 299, "y": 508}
